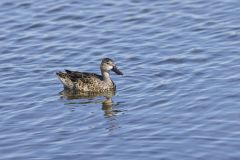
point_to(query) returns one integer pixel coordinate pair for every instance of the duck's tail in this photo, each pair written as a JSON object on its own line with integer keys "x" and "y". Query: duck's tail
{"x": 66, "y": 81}
{"x": 60, "y": 74}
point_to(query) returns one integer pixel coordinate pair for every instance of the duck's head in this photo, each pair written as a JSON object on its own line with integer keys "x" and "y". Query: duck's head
{"x": 108, "y": 64}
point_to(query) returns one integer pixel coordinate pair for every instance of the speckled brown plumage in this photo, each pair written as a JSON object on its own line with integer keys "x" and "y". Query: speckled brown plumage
{"x": 84, "y": 82}
{"x": 90, "y": 82}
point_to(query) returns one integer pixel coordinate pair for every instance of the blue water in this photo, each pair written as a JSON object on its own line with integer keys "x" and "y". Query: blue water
{"x": 178, "y": 98}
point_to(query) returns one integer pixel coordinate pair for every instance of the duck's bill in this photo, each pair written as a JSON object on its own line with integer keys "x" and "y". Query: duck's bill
{"x": 117, "y": 71}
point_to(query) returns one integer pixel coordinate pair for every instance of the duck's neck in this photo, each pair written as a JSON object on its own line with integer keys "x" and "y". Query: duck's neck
{"x": 106, "y": 77}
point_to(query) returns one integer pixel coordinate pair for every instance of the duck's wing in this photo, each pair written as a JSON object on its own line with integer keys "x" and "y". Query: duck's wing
{"x": 84, "y": 77}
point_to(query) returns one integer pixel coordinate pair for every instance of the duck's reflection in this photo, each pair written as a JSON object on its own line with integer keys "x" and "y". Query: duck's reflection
{"x": 107, "y": 104}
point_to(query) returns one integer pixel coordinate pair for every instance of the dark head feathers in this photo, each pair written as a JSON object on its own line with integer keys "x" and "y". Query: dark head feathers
{"x": 105, "y": 60}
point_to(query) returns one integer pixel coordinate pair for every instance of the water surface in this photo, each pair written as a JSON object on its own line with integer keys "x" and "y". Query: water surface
{"x": 178, "y": 98}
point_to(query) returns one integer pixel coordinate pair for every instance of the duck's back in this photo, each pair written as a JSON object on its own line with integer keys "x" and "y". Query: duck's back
{"x": 83, "y": 81}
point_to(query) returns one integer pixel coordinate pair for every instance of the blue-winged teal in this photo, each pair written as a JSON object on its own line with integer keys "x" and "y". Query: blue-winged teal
{"x": 90, "y": 82}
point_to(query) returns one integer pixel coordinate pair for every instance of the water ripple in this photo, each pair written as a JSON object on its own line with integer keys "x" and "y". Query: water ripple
{"x": 180, "y": 86}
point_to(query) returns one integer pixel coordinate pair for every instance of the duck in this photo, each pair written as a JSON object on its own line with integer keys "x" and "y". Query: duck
{"x": 90, "y": 82}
